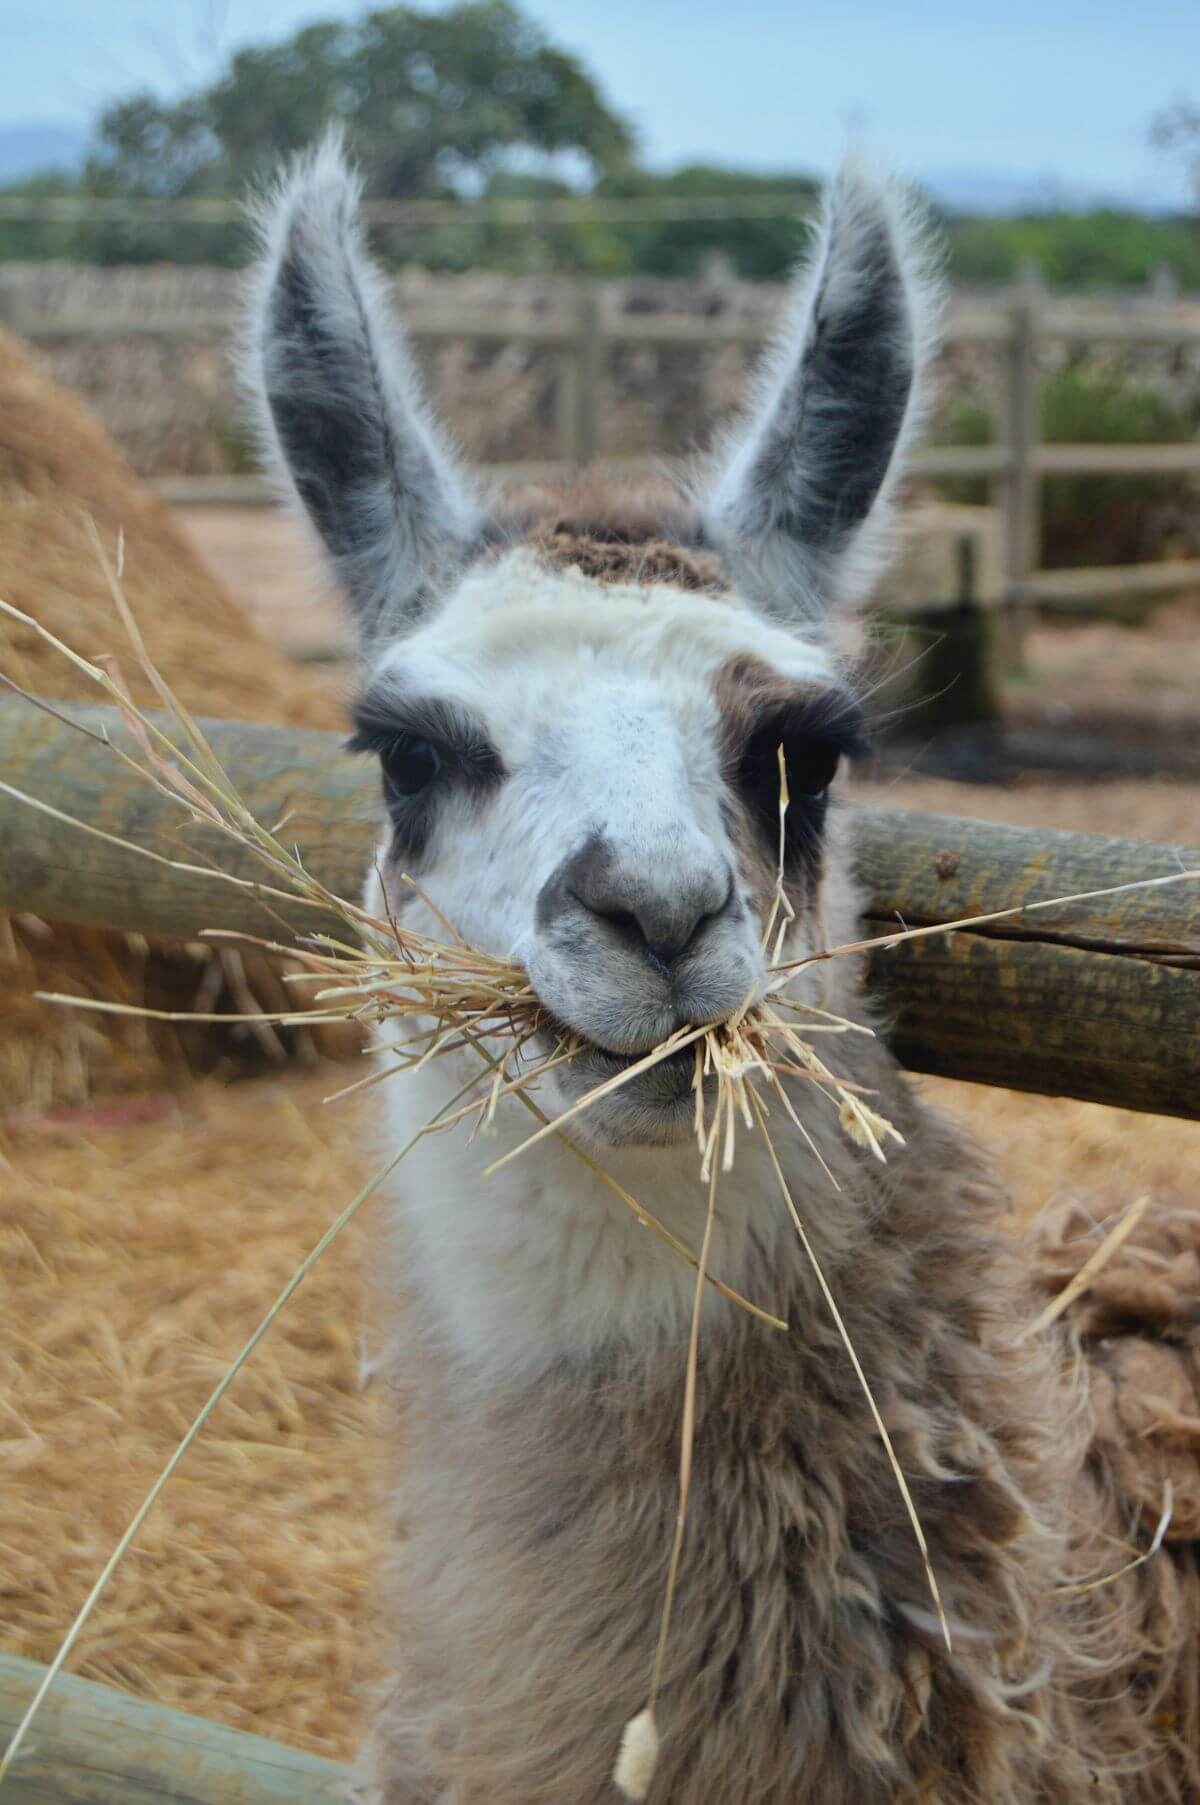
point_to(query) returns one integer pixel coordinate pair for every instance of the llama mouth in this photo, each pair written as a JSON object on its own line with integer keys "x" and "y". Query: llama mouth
{"x": 666, "y": 1081}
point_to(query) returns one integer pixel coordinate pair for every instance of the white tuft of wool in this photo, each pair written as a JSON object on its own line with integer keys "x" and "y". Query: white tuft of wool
{"x": 638, "y": 1757}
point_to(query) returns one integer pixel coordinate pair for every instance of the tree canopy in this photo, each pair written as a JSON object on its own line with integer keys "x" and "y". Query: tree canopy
{"x": 428, "y": 100}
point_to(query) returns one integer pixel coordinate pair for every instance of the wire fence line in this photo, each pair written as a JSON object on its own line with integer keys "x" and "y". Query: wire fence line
{"x": 551, "y": 210}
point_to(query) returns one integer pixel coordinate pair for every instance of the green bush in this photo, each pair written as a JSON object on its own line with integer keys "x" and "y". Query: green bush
{"x": 1101, "y": 248}
{"x": 1089, "y": 520}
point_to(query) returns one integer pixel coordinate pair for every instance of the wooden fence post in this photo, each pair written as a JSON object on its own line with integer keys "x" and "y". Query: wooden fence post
{"x": 93, "y": 1745}
{"x": 589, "y": 365}
{"x": 1019, "y": 413}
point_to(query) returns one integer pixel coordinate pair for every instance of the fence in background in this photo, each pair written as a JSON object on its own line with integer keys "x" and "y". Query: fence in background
{"x": 1017, "y": 325}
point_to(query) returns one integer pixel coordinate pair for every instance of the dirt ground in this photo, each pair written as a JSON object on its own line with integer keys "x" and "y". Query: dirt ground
{"x": 141, "y": 1240}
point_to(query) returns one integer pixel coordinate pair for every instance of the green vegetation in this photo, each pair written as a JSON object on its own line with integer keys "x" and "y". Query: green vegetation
{"x": 475, "y": 101}
{"x": 1089, "y": 520}
{"x": 1100, "y": 249}
{"x": 432, "y": 103}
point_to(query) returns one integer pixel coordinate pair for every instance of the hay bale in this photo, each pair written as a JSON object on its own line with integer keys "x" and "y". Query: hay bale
{"x": 59, "y": 473}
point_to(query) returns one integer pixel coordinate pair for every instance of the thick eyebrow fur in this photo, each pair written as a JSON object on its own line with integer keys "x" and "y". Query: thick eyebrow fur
{"x": 381, "y": 716}
{"x": 828, "y": 718}
{"x": 751, "y": 697}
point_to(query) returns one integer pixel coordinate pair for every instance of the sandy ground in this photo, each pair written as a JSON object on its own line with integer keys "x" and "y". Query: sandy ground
{"x": 140, "y": 1243}
{"x": 272, "y": 565}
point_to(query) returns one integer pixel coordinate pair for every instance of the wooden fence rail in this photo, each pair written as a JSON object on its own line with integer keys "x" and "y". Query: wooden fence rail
{"x": 92, "y": 1745}
{"x": 1096, "y": 1000}
{"x": 1017, "y": 324}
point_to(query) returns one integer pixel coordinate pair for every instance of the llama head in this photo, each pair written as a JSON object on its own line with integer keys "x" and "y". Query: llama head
{"x": 579, "y": 724}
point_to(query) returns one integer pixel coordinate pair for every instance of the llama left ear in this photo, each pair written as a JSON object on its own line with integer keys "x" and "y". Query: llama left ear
{"x": 339, "y": 406}
{"x": 801, "y": 509}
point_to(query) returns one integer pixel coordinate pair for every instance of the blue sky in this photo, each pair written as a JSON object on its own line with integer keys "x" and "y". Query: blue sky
{"x": 1043, "y": 92}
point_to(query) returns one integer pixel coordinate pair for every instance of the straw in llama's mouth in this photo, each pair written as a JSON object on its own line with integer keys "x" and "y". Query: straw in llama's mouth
{"x": 674, "y": 1071}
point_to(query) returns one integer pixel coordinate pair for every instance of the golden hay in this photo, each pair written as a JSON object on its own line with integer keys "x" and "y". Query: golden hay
{"x": 58, "y": 469}
{"x": 133, "y": 1259}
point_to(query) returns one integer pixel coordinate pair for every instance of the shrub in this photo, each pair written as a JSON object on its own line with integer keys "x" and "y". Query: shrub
{"x": 1091, "y": 519}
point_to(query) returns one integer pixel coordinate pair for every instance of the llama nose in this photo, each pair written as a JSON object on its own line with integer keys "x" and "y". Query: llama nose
{"x": 659, "y": 916}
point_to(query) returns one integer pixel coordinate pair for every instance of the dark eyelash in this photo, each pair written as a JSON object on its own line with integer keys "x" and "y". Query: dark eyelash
{"x": 459, "y": 744}
{"x": 380, "y": 738}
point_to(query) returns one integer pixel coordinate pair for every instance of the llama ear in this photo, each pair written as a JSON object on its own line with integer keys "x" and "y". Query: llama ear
{"x": 801, "y": 509}
{"x": 339, "y": 405}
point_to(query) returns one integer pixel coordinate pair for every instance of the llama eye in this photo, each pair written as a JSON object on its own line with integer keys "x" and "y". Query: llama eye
{"x": 811, "y": 770}
{"x": 410, "y": 765}
{"x": 811, "y": 767}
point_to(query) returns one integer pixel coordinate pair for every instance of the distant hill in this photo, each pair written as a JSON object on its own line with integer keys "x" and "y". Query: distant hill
{"x": 35, "y": 145}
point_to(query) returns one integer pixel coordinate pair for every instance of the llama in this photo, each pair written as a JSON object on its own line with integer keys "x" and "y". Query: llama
{"x": 576, "y": 715}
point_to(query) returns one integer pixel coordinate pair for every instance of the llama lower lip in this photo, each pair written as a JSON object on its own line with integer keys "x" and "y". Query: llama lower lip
{"x": 595, "y": 1054}
{"x": 665, "y": 1086}
{"x": 662, "y": 1088}
{"x": 682, "y": 1060}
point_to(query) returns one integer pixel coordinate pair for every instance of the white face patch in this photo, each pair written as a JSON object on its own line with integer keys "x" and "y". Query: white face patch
{"x": 609, "y": 857}
{"x": 600, "y": 788}
{"x": 599, "y": 700}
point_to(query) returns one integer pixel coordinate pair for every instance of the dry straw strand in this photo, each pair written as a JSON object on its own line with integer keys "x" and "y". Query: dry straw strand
{"x": 1117, "y": 1235}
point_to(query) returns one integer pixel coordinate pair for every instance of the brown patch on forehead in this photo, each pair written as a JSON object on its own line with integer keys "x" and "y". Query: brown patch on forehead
{"x": 614, "y": 536}
{"x": 644, "y": 561}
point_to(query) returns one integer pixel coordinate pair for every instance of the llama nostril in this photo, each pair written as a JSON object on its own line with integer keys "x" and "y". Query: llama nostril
{"x": 662, "y": 954}
{"x": 665, "y": 932}
{"x": 658, "y": 915}
{"x": 624, "y": 921}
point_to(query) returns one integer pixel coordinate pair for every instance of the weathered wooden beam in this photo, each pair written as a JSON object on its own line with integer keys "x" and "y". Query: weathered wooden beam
{"x": 1095, "y": 590}
{"x": 1098, "y": 1000}
{"x": 56, "y": 871}
{"x": 92, "y": 1745}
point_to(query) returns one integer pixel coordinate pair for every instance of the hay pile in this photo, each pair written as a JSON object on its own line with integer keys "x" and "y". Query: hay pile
{"x": 135, "y": 1257}
{"x": 58, "y": 471}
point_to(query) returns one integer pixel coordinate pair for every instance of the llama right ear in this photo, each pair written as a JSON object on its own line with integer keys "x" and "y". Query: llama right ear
{"x": 801, "y": 508}
{"x": 339, "y": 403}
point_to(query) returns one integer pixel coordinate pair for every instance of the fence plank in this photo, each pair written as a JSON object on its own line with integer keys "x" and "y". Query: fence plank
{"x": 1019, "y": 433}
{"x": 1118, "y": 460}
{"x": 1094, "y": 1000}
{"x": 93, "y": 1745}
{"x": 1088, "y": 589}
{"x": 1100, "y": 1000}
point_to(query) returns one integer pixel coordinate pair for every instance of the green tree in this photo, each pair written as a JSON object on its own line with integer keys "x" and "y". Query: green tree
{"x": 1177, "y": 131}
{"x": 427, "y": 101}
{"x": 760, "y": 247}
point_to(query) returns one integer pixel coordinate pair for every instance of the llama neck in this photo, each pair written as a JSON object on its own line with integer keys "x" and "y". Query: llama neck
{"x": 543, "y": 1261}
